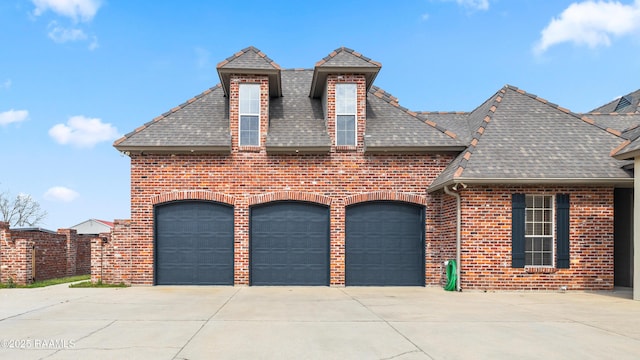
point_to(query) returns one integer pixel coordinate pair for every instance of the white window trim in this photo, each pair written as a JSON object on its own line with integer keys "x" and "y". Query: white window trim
{"x": 240, "y": 113}
{"x": 354, "y": 114}
{"x": 553, "y": 232}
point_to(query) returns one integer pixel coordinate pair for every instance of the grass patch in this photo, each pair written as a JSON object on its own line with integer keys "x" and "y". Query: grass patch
{"x": 43, "y": 283}
{"x": 99, "y": 284}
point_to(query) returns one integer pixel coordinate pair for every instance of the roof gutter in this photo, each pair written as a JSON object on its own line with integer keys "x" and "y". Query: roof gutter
{"x": 626, "y": 182}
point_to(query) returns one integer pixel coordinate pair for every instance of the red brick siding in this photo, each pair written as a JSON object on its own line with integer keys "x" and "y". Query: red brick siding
{"x": 486, "y": 240}
{"x": 83, "y": 255}
{"x": 234, "y": 108}
{"x": 249, "y": 178}
{"x": 361, "y": 115}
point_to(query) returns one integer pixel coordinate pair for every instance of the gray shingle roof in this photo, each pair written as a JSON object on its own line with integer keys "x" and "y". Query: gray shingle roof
{"x": 523, "y": 138}
{"x": 390, "y": 128}
{"x": 250, "y": 61}
{"x": 200, "y": 124}
{"x": 629, "y": 103}
{"x": 345, "y": 57}
{"x": 342, "y": 60}
{"x": 456, "y": 122}
{"x": 248, "y": 58}
{"x": 619, "y": 122}
{"x": 297, "y": 121}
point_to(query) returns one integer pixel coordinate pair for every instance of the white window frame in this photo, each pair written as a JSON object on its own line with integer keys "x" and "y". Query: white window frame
{"x": 243, "y": 111}
{"x": 341, "y": 112}
{"x": 533, "y": 222}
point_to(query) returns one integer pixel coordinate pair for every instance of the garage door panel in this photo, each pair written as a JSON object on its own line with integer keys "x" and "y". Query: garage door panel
{"x": 384, "y": 244}
{"x": 289, "y": 244}
{"x": 194, "y": 243}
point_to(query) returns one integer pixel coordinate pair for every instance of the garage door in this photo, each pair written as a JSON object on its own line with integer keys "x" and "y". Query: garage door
{"x": 194, "y": 244}
{"x": 384, "y": 244}
{"x": 289, "y": 244}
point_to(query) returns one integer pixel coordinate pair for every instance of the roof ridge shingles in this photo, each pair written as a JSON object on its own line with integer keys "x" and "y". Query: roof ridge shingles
{"x": 349, "y": 51}
{"x": 165, "y": 114}
{"x": 244, "y": 51}
{"x": 392, "y": 100}
{"x": 479, "y": 132}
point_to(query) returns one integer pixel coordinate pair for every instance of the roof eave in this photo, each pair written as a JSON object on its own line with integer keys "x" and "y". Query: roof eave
{"x": 413, "y": 149}
{"x": 275, "y": 81}
{"x": 624, "y": 182}
{"x": 319, "y": 149}
{"x": 137, "y": 150}
{"x": 627, "y": 155}
{"x": 320, "y": 76}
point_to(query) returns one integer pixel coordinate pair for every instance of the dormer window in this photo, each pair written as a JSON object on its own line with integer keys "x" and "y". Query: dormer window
{"x": 346, "y": 100}
{"x": 249, "y": 115}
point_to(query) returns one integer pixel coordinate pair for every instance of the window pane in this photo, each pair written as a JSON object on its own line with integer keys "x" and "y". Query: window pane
{"x": 529, "y": 201}
{"x": 546, "y": 259}
{"x": 249, "y": 130}
{"x": 529, "y": 229}
{"x": 547, "y": 229}
{"x": 528, "y": 259}
{"x": 548, "y": 244}
{"x": 345, "y": 130}
{"x": 250, "y": 99}
{"x": 538, "y": 201}
{"x": 345, "y": 98}
{"x": 537, "y": 259}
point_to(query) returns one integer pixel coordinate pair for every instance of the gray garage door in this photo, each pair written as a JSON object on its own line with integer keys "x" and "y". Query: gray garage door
{"x": 194, "y": 244}
{"x": 289, "y": 244}
{"x": 384, "y": 244}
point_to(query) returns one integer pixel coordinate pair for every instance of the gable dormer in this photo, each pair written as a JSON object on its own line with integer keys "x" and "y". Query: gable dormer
{"x": 249, "y": 79}
{"x": 342, "y": 80}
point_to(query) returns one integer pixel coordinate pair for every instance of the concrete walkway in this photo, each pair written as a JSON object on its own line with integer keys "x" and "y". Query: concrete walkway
{"x": 314, "y": 323}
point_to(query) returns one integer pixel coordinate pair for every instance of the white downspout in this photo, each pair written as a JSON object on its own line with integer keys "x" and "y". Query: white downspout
{"x": 458, "y": 230}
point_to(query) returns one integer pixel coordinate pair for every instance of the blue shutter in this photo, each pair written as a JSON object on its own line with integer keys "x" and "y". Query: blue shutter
{"x": 517, "y": 230}
{"x": 562, "y": 230}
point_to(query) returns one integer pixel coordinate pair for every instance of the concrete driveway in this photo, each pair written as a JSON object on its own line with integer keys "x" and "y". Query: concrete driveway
{"x": 314, "y": 323}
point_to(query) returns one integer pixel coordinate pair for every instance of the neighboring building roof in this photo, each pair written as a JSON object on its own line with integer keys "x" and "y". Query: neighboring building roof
{"x": 93, "y": 226}
{"x": 342, "y": 60}
{"x": 521, "y": 138}
{"x": 629, "y": 103}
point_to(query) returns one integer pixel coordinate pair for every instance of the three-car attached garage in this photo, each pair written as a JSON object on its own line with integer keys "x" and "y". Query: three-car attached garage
{"x": 289, "y": 244}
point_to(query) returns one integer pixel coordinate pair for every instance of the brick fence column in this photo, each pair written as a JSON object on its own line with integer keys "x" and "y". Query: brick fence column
{"x": 5, "y": 237}
{"x": 96, "y": 259}
{"x": 72, "y": 249}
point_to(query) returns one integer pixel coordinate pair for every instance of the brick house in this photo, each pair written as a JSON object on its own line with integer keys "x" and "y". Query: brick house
{"x": 318, "y": 177}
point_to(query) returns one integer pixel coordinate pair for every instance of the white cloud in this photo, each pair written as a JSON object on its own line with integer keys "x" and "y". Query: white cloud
{"x": 83, "y": 132}
{"x": 13, "y": 116}
{"x": 61, "y": 193}
{"x": 6, "y": 84}
{"x": 474, "y": 4}
{"x": 77, "y": 10}
{"x": 424, "y": 17}
{"x": 60, "y": 34}
{"x": 590, "y": 23}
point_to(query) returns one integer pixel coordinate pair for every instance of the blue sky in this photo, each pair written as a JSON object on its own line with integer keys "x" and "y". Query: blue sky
{"x": 77, "y": 74}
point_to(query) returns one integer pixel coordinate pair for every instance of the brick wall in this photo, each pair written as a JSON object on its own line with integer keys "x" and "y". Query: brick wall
{"x": 111, "y": 255}
{"x": 486, "y": 240}
{"x": 54, "y": 254}
{"x": 243, "y": 178}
